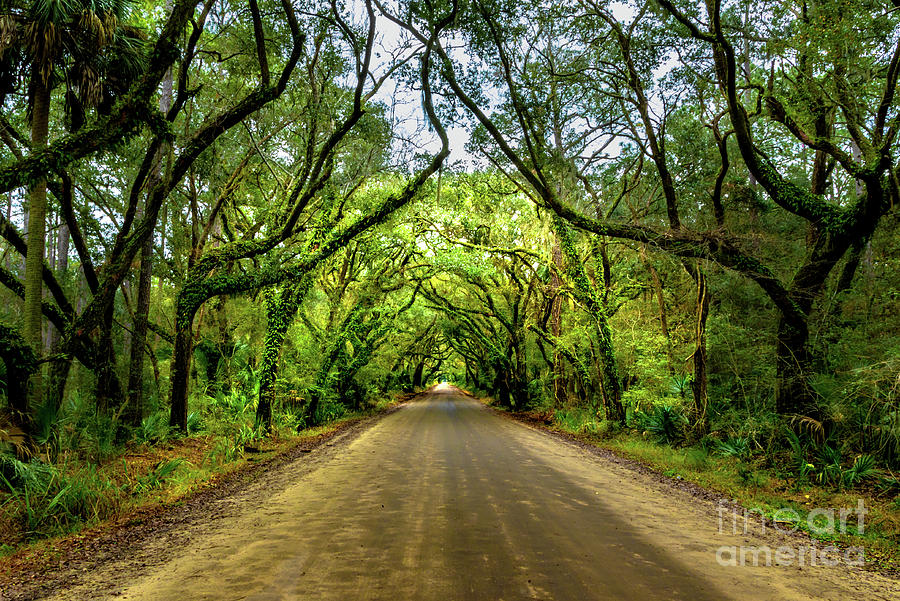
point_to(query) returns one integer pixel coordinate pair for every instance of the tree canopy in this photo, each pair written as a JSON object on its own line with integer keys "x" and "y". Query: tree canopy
{"x": 656, "y": 204}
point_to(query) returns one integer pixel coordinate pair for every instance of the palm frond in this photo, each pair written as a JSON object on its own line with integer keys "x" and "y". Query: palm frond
{"x": 814, "y": 428}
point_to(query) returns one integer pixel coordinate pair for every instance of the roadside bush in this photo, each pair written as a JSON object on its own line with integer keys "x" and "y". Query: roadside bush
{"x": 734, "y": 446}
{"x": 46, "y": 499}
{"x": 539, "y": 394}
{"x": 153, "y": 429}
{"x": 158, "y": 476}
{"x": 329, "y": 410}
{"x": 665, "y": 422}
{"x": 579, "y": 420}
{"x": 824, "y": 464}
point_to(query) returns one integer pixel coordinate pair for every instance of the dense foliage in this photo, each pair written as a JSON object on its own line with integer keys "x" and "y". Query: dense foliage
{"x": 673, "y": 219}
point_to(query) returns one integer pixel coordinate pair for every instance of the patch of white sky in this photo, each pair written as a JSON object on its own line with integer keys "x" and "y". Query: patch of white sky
{"x": 412, "y": 133}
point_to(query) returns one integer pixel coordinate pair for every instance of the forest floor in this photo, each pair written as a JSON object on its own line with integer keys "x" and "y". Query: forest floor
{"x": 443, "y": 499}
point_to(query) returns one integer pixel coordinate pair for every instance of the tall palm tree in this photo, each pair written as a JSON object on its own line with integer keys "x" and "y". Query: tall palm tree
{"x": 83, "y": 45}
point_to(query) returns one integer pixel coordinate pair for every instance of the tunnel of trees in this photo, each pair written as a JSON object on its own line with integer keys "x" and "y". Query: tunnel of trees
{"x": 271, "y": 213}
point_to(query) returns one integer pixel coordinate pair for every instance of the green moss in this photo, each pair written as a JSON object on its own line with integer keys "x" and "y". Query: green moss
{"x": 835, "y": 220}
{"x": 586, "y": 293}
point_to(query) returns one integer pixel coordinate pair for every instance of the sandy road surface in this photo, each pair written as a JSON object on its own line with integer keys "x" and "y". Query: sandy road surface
{"x": 445, "y": 500}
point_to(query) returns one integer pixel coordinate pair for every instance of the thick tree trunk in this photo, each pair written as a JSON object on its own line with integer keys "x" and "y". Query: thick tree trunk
{"x": 277, "y": 324}
{"x": 793, "y": 356}
{"x": 269, "y": 374}
{"x": 794, "y": 359}
{"x": 501, "y": 385}
{"x": 37, "y": 225}
{"x": 108, "y": 390}
{"x": 611, "y": 388}
{"x": 417, "y": 374}
{"x": 280, "y": 313}
{"x": 558, "y": 374}
{"x": 21, "y": 362}
{"x": 793, "y": 364}
{"x": 312, "y": 409}
{"x": 56, "y": 384}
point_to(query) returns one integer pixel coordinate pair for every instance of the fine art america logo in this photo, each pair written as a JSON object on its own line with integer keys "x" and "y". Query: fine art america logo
{"x": 821, "y": 522}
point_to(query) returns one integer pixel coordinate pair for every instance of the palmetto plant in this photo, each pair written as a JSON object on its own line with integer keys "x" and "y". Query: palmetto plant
{"x": 666, "y": 423}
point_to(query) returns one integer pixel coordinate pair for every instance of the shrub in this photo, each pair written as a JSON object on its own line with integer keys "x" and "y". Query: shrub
{"x": 665, "y": 422}
{"x": 734, "y": 446}
{"x": 46, "y": 500}
{"x": 153, "y": 429}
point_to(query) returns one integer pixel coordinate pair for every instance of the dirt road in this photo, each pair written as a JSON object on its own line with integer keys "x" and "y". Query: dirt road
{"x": 445, "y": 500}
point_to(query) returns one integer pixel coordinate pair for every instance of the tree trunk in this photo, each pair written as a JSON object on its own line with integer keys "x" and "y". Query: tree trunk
{"x": 37, "y": 210}
{"x": 269, "y": 372}
{"x": 699, "y": 382}
{"x": 134, "y": 411}
{"x": 280, "y": 312}
{"x": 793, "y": 356}
{"x": 181, "y": 369}
{"x": 21, "y": 362}
{"x": 108, "y": 391}
{"x": 417, "y": 374}
{"x": 793, "y": 394}
{"x": 558, "y": 374}
{"x": 56, "y": 385}
{"x": 610, "y": 387}
{"x": 501, "y": 385}
{"x": 62, "y": 248}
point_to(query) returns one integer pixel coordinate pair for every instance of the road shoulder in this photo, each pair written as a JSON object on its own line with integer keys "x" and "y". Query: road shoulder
{"x": 145, "y": 537}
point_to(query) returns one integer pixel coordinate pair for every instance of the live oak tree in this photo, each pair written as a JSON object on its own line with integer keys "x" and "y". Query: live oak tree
{"x": 90, "y": 49}
{"x": 84, "y": 49}
{"x": 852, "y": 137}
{"x": 821, "y": 116}
{"x": 661, "y": 205}
{"x": 205, "y": 278}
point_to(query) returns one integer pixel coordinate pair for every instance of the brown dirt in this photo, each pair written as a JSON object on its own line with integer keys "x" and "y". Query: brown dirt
{"x": 47, "y": 567}
{"x": 544, "y": 422}
{"x": 444, "y": 500}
